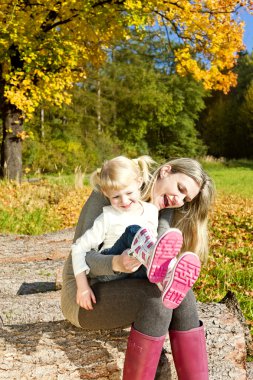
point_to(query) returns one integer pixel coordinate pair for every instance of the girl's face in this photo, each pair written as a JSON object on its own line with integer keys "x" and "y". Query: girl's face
{"x": 126, "y": 199}
{"x": 172, "y": 190}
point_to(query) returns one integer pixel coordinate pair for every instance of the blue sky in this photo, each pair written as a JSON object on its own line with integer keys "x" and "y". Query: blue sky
{"x": 248, "y": 35}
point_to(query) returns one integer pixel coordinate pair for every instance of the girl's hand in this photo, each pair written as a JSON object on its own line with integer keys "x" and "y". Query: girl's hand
{"x": 85, "y": 298}
{"x": 125, "y": 263}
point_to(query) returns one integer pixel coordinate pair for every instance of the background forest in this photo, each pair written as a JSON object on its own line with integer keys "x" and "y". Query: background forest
{"x": 136, "y": 104}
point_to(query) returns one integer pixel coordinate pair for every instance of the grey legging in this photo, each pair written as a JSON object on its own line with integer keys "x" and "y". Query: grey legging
{"x": 122, "y": 302}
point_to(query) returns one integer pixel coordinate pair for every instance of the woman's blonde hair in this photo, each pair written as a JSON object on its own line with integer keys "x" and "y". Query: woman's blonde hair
{"x": 117, "y": 173}
{"x": 192, "y": 218}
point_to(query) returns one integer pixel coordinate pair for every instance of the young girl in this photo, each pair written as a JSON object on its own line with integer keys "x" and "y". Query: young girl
{"x": 120, "y": 180}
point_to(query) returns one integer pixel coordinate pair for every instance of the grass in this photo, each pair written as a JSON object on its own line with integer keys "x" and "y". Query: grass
{"x": 232, "y": 177}
{"x": 40, "y": 207}
{"x": 53, "y": 204}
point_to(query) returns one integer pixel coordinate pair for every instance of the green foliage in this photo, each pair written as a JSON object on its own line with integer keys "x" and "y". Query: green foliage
{"x": 70, "y": 138}
{"x": 53, "y": 156}
{"x": 135, "y": 104}
{"x": 173, "y": 133}
{"x": 226, "y": 125}
{"x": 22, "y": 221}
{"x": 155, "y": 110}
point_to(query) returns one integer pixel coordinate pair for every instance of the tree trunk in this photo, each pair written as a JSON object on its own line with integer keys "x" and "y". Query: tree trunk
{"x": 11, "y": 149}
{"x": 42, "y": 125}
{"x": 99, "y": 105}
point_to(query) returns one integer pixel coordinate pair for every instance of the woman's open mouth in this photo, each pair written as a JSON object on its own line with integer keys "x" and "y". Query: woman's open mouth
{"x": 166, "y": 201}
{"x": 170, "y": 201}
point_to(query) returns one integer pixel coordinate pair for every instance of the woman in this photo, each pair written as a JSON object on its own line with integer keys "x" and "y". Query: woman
{"x": 183, "y": 193}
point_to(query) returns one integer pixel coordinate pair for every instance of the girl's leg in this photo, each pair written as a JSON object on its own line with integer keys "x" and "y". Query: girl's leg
{"x": 141, "y": 273}
{"x": 124, "y": 242}
{"x": 188, "y": 344}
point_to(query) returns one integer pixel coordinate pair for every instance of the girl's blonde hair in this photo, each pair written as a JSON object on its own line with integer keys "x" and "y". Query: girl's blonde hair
{"x": 117, "y": 173}
{"x": 192, "y": 218}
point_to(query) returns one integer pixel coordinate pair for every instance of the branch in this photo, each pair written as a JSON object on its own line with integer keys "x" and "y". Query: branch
{"x": 46, "y": 27}
{"x": 101, "y": 3}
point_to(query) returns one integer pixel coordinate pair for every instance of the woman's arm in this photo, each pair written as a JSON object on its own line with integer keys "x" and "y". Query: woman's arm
{"x": 90, "y": 211}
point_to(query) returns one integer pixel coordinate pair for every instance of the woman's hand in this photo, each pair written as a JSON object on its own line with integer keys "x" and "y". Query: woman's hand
{"x": 125, "y": 263}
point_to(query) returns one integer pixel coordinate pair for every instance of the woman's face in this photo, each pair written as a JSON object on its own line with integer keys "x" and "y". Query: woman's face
{"x": 172, "y": 190}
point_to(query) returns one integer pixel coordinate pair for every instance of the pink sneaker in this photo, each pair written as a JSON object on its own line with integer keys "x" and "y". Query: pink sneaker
{"x": 180, "y": 279}
{"x": 166, "y": 248}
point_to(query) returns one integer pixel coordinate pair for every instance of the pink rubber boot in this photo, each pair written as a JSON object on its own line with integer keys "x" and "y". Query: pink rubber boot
{"x": 189, "y": 353}
{"x": 156, "y": 255}
{"x": 142, "y": 356}
{"x": 180, "y": 279}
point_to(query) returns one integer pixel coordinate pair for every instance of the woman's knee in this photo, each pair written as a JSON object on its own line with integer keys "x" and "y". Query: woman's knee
{"x": 153, "y": 317}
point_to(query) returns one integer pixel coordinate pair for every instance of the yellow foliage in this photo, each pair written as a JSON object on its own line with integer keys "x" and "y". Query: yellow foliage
{"x": 47, "y": 45}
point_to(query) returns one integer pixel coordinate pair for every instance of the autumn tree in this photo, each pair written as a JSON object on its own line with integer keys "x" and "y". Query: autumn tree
{"x": 47, "y": 45}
